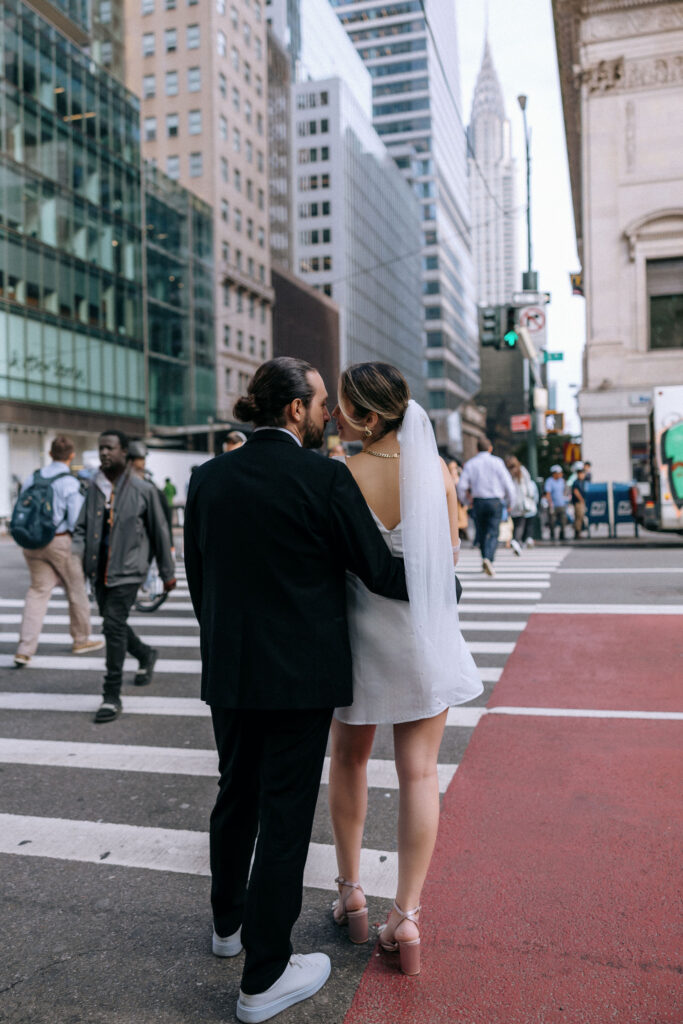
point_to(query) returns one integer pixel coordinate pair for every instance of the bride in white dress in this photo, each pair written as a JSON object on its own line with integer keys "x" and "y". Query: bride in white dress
{"x": 410, "y": 663}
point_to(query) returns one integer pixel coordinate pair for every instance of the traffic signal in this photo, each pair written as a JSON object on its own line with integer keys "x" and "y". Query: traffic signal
{"x": 511, "y": 335}
{"x": 490, "y": 325}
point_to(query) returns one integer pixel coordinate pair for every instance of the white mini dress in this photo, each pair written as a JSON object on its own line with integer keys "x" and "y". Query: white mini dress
{"x": 389, "y": 682}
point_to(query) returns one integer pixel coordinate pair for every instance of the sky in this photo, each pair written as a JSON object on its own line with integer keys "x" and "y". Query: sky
{"x": 522, "y": 44}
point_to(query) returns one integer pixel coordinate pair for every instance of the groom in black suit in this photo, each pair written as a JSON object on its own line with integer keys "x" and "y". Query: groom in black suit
{"x": 270, "y": 530}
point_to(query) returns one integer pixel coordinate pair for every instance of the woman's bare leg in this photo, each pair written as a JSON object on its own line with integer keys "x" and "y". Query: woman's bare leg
{"x": 416, "y": 746}
{"x": 351, "y": 746}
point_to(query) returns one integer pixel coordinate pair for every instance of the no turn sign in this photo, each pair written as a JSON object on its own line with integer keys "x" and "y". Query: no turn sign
{"x": 533, "y": 318}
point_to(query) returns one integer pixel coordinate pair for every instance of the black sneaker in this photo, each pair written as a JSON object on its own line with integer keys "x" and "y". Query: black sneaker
{"x": 109, "y": 709}
{"x": 143, "y": 676}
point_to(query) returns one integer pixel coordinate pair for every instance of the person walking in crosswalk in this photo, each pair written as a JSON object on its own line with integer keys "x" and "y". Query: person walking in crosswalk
{"x": 486, "y": 481}
{"x": 120, "y": 529}
{"x": 56, "y": 564}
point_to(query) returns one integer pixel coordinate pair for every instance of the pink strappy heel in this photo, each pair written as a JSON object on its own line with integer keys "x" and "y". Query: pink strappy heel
{"x": 357, "y": 920}
{"x": 409, "y": 952}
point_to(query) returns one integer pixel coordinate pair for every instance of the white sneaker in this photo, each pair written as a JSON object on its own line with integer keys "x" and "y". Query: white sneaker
{"x": 516, "y": 547}
{"x": 229, "y": 946}
{"x": 529, "y": 542}
{"x": 303, "y": 976}
{"x": 488, "y": 567}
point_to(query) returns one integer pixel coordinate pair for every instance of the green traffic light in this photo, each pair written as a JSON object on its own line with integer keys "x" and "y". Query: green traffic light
{"x": 511, "y": 339}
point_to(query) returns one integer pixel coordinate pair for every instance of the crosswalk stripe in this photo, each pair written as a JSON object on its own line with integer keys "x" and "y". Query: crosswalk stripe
{"x": 164, "y": 849}
{"x": 164, "y": 666}
{"x": 611, "y": 609}
{"x": 503, "y": 595}
{"x": 174, "y": 640}
{"x": 154, "y": 620}
{"x": 500, "y": 584}
{"x": 186, "y": 707}
{"x": 477, "y": 609}
{"x": 127, "y": 757}
{"x": 171, "y": 603}
{"x": 502, "y": 576}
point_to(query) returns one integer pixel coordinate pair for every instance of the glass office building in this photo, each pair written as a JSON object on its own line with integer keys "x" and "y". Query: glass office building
{"x": 71, "y": 292}
{"x": 179, "y": 276}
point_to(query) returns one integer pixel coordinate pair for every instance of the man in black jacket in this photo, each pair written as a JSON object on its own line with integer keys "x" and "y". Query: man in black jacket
{"x": 120, "y": 529}
{"x": 270, "y": 530}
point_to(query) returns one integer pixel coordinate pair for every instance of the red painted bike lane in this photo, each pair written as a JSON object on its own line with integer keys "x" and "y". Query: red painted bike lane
{"x": 554, "y": 892}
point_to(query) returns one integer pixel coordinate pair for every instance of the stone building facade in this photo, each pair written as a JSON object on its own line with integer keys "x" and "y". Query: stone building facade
{"x": 621, "y": 74}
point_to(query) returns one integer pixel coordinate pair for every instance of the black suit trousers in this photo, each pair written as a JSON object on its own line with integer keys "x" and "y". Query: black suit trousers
{"x": 270, "y": 764}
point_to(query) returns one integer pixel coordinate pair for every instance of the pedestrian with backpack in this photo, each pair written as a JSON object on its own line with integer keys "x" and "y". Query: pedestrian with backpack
{"x": 42, "y": 524}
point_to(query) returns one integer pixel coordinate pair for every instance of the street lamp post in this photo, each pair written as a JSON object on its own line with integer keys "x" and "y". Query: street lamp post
{"x": 529, "y": 284}
{"x": 529, "y": 277}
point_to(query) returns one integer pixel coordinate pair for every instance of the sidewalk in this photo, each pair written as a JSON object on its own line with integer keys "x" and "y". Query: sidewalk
{"x": 552, "y": 896}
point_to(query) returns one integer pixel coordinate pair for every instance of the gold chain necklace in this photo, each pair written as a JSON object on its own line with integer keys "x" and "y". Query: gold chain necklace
{"x": 383, "y": 455}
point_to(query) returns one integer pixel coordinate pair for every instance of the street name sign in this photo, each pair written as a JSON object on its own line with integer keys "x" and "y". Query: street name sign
{"x": 552, "y": 357}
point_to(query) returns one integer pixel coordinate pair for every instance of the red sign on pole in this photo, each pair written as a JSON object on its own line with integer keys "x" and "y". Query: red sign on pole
{"x": 521, "y": 423}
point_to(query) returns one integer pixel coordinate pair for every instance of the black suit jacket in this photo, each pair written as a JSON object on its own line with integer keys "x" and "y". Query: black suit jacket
{"x": 270, "y": 530}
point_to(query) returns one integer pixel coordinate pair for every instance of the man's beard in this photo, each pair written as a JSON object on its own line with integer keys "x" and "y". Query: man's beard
{"x": 311, "y": 435}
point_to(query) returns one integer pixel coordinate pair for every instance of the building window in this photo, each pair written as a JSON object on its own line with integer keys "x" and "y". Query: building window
{"x": 226, "y": 295}
{"x": 263, "y": 312}
{"x": 196, "y": 165}
{"x": 260, "y": 199}
{"x": 148, "y": 44}
{"x": 228, "y": 370}
{"x": 257, "y": 10}
{"x": 170, "y": 5}
{"x": 252, "y": 345}
{"x": 225, "y": 210}
{"x": 194, "y": 79}
{"x": 250, "y": 228}
{"x": 247, "y": 111}
{"x": 105, "y": 12}
{"x": 238, "y": 258}
{"x": 257, "y": 48}
{"x": 148, "y": 87}
{"x": 172, "y": 123}
{"x": 147, "y": 7}
{"x": 171, "y": 83}
{"x": 238, "y": 180}
{"x": 247, "y": 72}
{"x": 261, "y": 238}
{"x": 220, "y": 6}
{"x": 262, "y": 273}
{"x": 222, "y": 84}
{"x": 258, "y": 82}
{"x": 106, "y": 53}
{"x": 240, "y": 341}
{"x": 194, "y": 122}
{"x": 192, "y": 37}
{"x": 223, "y": 126}
{"x": 240, "y": 300}
{"x": 236, "y": 140}
{"x": 246, "y": 32}
{"x": 224, "y": 169}
{"x": 665, "y": 297}
{"x": 170, "y": 40}
{"x": 259, "y": 161}
{"x": 234, "y": 58}
{"x": 250, "y": 267}
{"x": 173, "y": 167}
{"x": 238, "y": 220}
{"x": 236, "y": 99}
{"x": 225, "y": 251}
{"x": 259, "y": 124}
{"x": 150, "y": 124}
{"x": 264, "y": 348}
{"x": 249, "y": 150}
{"x": 233, "y": 17}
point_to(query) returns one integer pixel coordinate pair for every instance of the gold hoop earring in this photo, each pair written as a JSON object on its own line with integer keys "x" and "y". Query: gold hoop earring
{"x": 367, "y": 432}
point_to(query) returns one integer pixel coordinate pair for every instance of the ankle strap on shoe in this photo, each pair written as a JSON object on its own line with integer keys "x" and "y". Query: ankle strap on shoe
{"x": 351, "y": 885}
{"x": 407, "y": 915}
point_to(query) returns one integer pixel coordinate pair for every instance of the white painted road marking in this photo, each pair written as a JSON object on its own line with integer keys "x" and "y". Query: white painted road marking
{"x": 126, "y": 757}
{"x": 164, "y": 849}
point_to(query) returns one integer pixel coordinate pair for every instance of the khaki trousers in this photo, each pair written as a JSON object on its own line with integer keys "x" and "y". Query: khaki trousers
{"x": 52, "y": 566}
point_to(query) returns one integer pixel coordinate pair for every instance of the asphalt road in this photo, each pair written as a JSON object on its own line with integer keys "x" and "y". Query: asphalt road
{"x": 103, "y": 854}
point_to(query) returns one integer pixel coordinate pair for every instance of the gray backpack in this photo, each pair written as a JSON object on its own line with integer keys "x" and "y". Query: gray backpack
{"x": 32, "y": 524}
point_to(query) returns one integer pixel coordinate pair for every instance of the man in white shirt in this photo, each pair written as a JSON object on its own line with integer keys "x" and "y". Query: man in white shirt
{"x": 487, "y": 482}
{"x": 55, "y": 564}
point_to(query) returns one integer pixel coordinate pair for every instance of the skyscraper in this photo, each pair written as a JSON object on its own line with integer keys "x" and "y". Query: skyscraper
{"x": 416, "y": 103}
{"x": 201, "y": 72}
{"x": 355, "y": 220}
{"x": 491, "y": 174}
